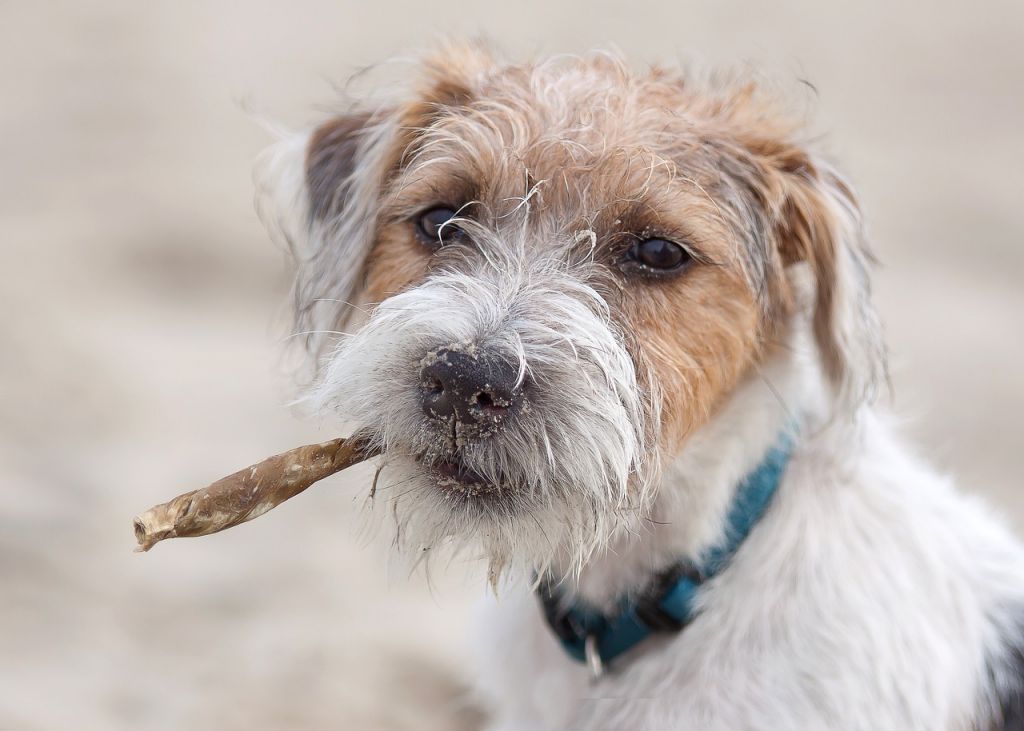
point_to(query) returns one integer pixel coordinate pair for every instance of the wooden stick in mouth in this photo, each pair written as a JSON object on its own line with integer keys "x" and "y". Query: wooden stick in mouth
{"x": 248, "y": 493}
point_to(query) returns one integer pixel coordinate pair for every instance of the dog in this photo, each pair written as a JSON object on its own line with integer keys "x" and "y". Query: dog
{"x": 613, "y": 330}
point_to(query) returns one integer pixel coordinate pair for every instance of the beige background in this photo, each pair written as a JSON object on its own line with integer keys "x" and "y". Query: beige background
{"x": 141, "y": 325}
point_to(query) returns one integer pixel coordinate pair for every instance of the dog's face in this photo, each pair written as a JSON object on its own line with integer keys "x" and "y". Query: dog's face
{"x": 551, "y": 276}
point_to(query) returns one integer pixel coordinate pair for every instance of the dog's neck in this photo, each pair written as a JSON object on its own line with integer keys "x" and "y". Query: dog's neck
{"x": 698, "y": 487}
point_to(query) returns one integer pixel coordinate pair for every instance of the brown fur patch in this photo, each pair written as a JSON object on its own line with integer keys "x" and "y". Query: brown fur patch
{"x": 398, "y": 259}
{"x": 698, "y": 339}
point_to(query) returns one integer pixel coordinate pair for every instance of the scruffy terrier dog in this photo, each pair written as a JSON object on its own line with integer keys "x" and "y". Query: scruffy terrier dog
{"x": 614, "y": 330}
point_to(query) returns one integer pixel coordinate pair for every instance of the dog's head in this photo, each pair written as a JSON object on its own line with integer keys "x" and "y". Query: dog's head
{"x": 550, "y": 275}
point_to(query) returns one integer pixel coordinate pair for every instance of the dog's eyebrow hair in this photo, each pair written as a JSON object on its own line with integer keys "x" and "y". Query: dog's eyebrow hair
{"x": 452, "y": 186}
{"x": 417, "y": 144}
{"x": 704, "y": 192}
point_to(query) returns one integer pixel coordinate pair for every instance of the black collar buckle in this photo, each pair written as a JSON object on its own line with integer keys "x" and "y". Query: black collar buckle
{"x": 649, "y": 609}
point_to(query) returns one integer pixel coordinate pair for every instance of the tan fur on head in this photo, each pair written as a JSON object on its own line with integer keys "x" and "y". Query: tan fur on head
{"x": 608, "y": 124}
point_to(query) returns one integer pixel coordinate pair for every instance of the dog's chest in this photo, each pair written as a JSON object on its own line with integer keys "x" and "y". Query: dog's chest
{"x": 810, "y": 628}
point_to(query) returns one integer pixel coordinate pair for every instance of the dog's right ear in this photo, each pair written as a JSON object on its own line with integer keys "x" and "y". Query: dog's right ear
{"x": 318, "y": 192}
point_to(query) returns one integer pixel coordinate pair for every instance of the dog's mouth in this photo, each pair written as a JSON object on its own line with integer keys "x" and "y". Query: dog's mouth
{"x": 456, "y": 477}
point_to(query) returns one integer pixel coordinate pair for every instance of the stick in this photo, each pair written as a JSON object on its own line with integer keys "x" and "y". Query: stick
{"x": 248, "y": 493}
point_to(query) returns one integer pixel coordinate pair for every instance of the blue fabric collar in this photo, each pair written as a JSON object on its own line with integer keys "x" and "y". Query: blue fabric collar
{"x": 667, "y": 604}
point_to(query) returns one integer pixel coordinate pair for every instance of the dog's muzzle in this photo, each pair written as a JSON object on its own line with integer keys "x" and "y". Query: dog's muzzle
{"x": 469, "y": 386}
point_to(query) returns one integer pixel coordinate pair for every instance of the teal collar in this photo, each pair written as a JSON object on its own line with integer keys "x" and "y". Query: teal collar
{"x": 667, "y": 605}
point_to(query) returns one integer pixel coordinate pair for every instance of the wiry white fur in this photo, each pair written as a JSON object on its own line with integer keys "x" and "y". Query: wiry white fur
{"x": 577, "y": 456}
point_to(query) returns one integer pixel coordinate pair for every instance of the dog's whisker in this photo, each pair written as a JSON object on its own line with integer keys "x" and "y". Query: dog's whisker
{"x": 316, "y": 332}
{"x": 777, "y": 394}
{"x": 346, "y": 303}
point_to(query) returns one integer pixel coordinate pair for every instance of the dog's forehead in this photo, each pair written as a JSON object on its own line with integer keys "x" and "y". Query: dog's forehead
{"x": 588, "y": 139}
{"x": 580, "y": 119}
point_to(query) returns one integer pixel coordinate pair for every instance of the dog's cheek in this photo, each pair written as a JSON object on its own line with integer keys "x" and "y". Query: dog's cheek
{"x": 396, "y": 262}
{"x": 699, "y": 335}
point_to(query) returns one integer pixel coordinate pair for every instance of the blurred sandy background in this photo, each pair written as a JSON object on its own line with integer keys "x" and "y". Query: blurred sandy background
{"x": 141, "y": 319}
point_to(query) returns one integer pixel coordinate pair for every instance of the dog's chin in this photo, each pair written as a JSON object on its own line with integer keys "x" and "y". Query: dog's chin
{"x": 456, "y": 480}
{"x": 444, "y": 504}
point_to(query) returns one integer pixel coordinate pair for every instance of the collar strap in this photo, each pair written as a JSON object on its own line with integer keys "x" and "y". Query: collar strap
{"x": 667, "y": 604}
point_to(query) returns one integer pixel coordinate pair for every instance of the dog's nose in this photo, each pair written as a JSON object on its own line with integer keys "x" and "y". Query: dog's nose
{"x": 474, "y": 386}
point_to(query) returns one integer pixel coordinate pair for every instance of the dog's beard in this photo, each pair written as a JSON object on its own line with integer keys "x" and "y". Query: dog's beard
{"x": 562, "y": 477}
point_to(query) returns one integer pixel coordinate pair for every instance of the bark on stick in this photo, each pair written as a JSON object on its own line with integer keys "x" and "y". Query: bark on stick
{"x": 248, "y": 493}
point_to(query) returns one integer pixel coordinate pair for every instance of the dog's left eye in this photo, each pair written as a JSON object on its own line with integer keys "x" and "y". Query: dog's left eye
{"x": 656, "y": 256}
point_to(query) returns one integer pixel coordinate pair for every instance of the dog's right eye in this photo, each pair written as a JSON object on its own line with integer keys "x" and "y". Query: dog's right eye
{"x": 435, "y": 229}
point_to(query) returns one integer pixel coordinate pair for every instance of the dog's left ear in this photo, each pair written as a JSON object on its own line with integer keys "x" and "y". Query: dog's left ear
{"x": 818, "y": 222}
{"x": 319, "y": 191}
